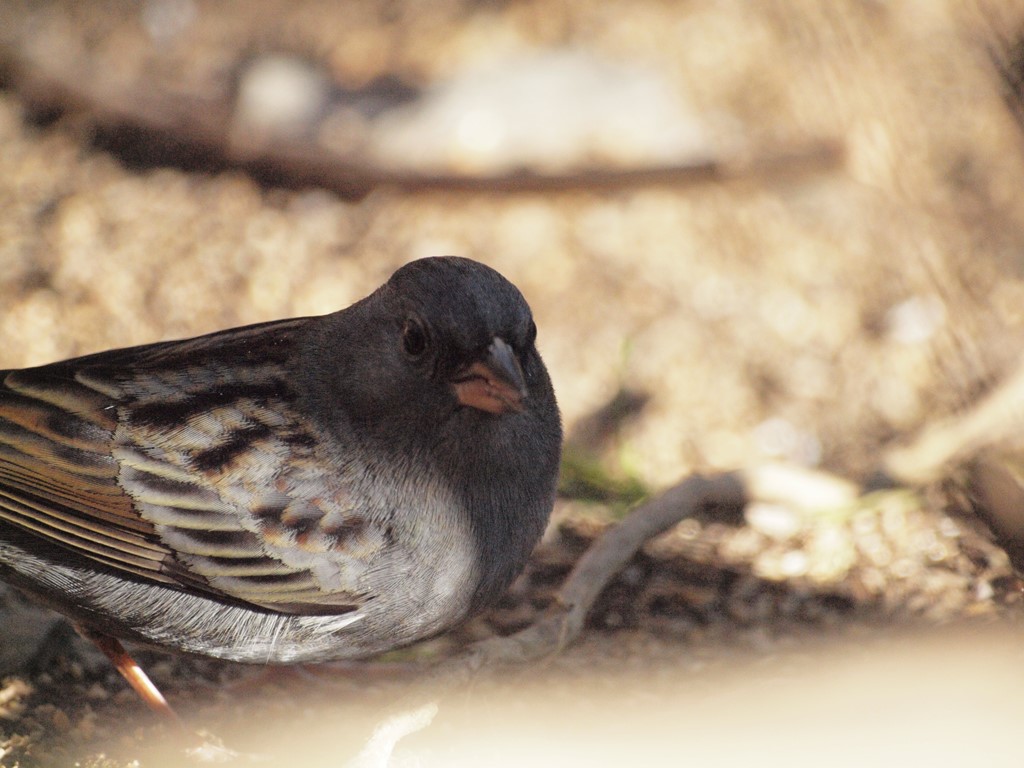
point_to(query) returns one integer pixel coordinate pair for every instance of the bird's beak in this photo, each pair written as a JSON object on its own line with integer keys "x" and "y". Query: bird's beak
{"x": 494, "y": 384}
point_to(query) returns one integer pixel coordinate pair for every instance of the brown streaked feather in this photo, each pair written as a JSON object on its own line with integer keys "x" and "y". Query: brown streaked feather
{"x": 68, "y": 536}
{"x": 56, "y": 452}
{"x": 58, "y": 423}
{"x": 80, "y": 522}
{"x": 65, "y": 393}
{"x": 164, "y": 463}
{"x": 59, "y": 480}
{"x": 65, "y": 487}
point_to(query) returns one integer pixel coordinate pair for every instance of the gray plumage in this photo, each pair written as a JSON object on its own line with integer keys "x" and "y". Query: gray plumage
{"x": 301, "y": 490}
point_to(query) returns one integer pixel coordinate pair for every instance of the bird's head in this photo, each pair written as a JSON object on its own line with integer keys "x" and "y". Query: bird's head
{"x": 443, "y": 336}
{"x": 467, "y": 330}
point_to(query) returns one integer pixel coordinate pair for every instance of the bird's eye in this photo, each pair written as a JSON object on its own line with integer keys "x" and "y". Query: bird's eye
{"x": 414, "y": 338}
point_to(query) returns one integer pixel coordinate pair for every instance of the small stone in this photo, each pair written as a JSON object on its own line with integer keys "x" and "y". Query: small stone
{"x": 773, "y": 520}
{"x": 794, "y": 563}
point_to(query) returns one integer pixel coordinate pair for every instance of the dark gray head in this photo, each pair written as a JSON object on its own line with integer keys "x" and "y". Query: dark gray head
{"x": 442, "y": 335}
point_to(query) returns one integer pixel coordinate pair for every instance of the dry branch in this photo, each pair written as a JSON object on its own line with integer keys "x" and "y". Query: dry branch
{"x": 199, "y": 132}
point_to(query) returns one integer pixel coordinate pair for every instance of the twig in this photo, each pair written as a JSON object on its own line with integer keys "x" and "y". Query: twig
{"x": 600, "y": 564}
{"x": 199, "y": 132}
{"x": 995, "y": 419}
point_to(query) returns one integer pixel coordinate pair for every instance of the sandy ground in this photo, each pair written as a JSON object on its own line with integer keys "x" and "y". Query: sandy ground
{"x": 815, "y": 319}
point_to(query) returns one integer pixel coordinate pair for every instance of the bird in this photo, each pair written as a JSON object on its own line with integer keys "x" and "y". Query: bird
{"x": 296, "y": 491}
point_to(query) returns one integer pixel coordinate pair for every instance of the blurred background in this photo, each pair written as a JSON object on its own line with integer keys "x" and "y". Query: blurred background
{"x": 782, "y": 231}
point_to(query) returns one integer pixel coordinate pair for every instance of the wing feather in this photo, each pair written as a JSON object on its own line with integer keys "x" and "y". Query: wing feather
{"x": 184, "y": 463}
{"x": 66, "y": 393}
{"x": 58, "y": 479}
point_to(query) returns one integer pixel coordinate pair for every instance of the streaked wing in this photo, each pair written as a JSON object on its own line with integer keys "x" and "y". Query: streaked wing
{"x": 185, "y": 463}
{"x": 58, "y": 478}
